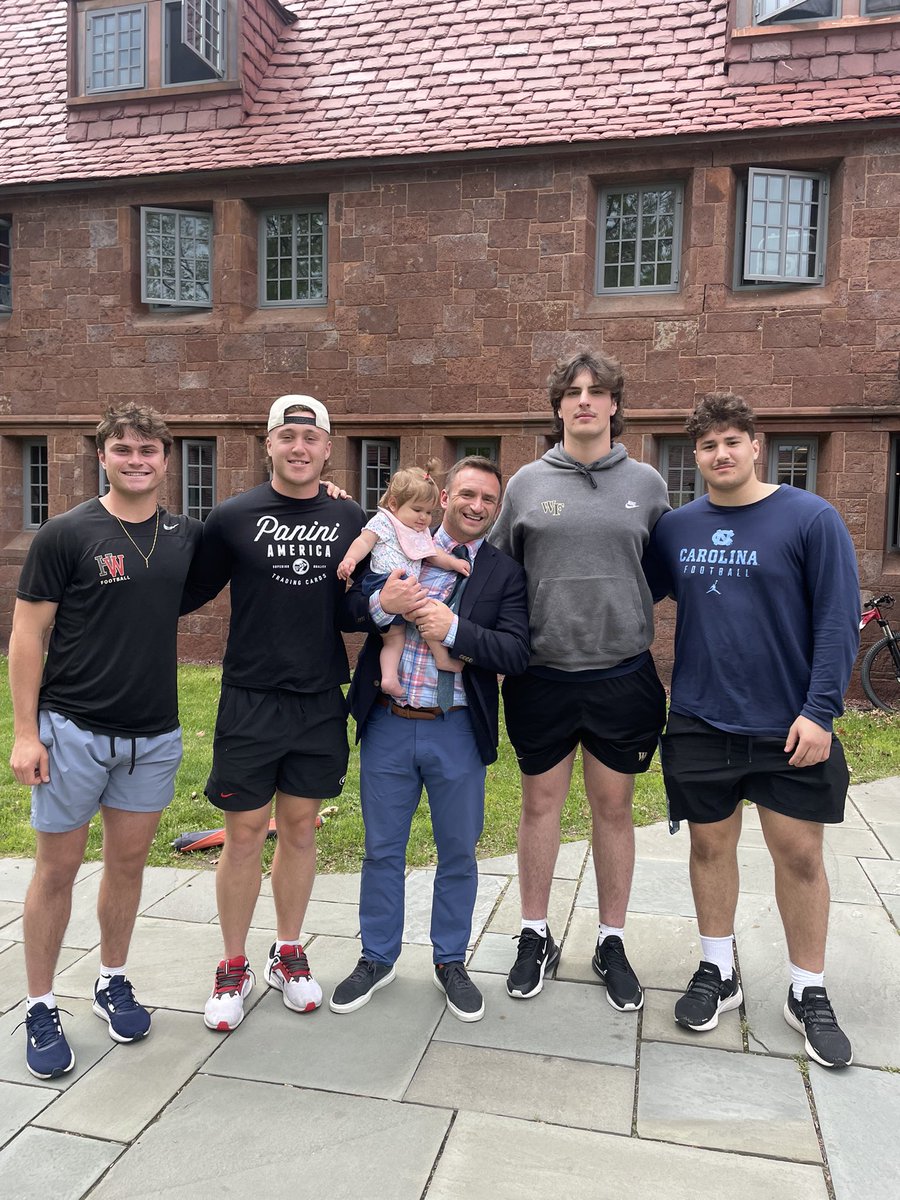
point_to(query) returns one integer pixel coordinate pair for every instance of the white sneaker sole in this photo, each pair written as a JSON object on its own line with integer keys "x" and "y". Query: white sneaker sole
{"x": 732, "y": 1002}
{"x": 366, "y": 997}
{"x": 116, "y": 1037}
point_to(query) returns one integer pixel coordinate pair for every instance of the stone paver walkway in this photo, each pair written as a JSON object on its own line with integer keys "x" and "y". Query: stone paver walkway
{"x": 560, "y": 1095}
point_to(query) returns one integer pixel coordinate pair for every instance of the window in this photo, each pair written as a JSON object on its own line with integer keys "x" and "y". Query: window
{"x": 198, "y": 477}
{"x": 783, "y": 214}
{"x": 203, "y": 31}
{"x": 875, "y": 8}
{"x": 5, "y": 265}
{"x": 679, "y": 469}
{"x": 639, "y": 241}
{"x": 793, "y": 460}
{"x": 483, "y": 447}
{"x": 773, "y": 12}
{"x": 176, "y": 250}
{"x": 378, "y": 462}
{"x": 292, "y": 256}
{"x": 181, "y": 63}
{"x": 893, "y": 540}
{"x": 115, "y": 49}
{"x": 35, "y": 482}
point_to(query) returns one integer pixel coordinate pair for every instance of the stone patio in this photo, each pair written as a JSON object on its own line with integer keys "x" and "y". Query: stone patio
{"x": 560, "y": 1094}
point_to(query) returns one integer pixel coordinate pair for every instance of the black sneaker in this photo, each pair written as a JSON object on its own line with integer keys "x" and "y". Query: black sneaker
{"x": 47, "y": 1053}
{"x": 128, "y": 1021}
{"x": 535, "y": 955}
{"x": 463, "y": 998}
{"x": 814, "y": 1017}
{"x": 707, "y": 996}
{"x": 356, "y": 990}
{"x": 623, "y": 990}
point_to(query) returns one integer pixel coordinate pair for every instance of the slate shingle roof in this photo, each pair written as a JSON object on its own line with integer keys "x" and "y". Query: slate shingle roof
{"x": 383, "y": 78}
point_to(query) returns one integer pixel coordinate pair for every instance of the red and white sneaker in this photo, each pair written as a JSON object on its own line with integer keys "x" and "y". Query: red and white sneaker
{"x": 288, "y": 969}
{"x": 225, "y": 1007}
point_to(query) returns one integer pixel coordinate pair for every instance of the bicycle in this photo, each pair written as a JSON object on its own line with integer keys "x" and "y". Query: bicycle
{"x": 880, "y": 671}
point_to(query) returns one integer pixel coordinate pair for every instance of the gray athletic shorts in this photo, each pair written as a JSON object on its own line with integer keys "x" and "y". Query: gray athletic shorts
{"x": 89, "y": 769}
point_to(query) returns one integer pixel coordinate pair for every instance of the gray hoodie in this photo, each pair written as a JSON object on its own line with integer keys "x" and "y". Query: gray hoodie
{"x": 580, "y": 532}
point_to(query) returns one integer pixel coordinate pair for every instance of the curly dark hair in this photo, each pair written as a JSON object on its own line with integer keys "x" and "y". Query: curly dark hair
{"x": 720, "y": 410}
{"x": 606, "y": 373}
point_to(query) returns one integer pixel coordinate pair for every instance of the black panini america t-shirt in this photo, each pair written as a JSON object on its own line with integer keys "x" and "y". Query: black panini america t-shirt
{"x": 281, "y": 557}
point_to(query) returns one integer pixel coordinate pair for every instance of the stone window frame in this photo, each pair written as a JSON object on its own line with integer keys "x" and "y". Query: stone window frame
{"x": 486, "y": 447}
{"x": 372, "y": 478}
{"x": 35, "y": 482}
{"x": 792, "y": 470}
{"x": 157, "y": 67}
{"x": 601, "y": 288}
{"x": 199, "y": 470}
{"x": 157, "y": 303}
{"x": 294, "y": 211}
{"x": 675, "y": 455}
{"x": 743, "y": 277}
{"x": 5, "y": 265}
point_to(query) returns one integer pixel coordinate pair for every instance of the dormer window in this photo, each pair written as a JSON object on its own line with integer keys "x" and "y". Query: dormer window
{"x": 773, "y": 12}
{"x": 152, "y": 45}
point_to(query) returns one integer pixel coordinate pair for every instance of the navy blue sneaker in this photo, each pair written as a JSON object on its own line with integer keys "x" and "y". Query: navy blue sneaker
{"x": 128, "y": 1021}
{"x": 47, "y": 1053}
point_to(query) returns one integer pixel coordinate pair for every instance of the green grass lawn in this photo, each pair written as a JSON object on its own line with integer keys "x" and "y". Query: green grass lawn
{"x": 871, "y": 740}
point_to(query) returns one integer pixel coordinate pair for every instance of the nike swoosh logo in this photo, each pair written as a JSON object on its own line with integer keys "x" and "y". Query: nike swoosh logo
{"x": 175, "y": 526}
{"x": 628, "y": 504}
{"x": 226, "y": 795}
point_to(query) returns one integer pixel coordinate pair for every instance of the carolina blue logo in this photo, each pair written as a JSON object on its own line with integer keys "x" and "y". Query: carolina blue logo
{"x": 723, "y": 537}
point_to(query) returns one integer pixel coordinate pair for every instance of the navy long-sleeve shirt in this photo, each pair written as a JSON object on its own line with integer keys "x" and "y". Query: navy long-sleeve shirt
{"x": 768, "y": 610}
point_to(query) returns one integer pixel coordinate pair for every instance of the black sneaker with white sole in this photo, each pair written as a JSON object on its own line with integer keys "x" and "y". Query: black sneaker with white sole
{"x": 707, "y": 995}
{"x": 623, "y": 991}
{"x": 814, "y": 1017}
{"x": 535, "y": 956}
{"x": 356, "y": 990}
{"x": 463, "y": 998}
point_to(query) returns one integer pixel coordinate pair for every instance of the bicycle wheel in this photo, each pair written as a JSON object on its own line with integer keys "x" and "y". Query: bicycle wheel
{"x": 880, "y": 675}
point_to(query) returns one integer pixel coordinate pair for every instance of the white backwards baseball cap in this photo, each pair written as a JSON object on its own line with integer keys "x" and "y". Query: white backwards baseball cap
{"x": 317, "y": 413}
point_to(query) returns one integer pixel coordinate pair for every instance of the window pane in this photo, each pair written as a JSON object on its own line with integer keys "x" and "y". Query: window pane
{"x": 294, "y": 263}
{"x": 679, "y": 471}
{"x": 114, "y": 51}
{"x": 782, "y": 236}
{"x": 639, "y": 231}
{"x": 177, "y": 257}
{"x": 5, "y": 267}
{"x": 199, "y": 478}
{"x": 35, "y": 483}
{"x": 378, "y": 459}
{"x": 203, "y": 31}
{"x": 777, "y": 11}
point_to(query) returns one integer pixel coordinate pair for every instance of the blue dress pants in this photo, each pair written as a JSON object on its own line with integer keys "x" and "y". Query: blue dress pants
{"x": 398, "y": 757}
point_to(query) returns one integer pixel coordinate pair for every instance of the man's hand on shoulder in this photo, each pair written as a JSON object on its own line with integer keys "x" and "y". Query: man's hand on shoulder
{"x": 809, "y": 742}
{"x": 333, "y": 491}
{"x": 29, "y": 761}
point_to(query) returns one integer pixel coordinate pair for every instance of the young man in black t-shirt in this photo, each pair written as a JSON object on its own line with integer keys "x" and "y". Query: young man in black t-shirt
{"x": 96, "y": 728}
{"x": 281, "y": 727}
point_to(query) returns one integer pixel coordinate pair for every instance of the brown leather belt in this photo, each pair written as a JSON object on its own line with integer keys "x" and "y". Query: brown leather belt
{"x": 413, "y": 714}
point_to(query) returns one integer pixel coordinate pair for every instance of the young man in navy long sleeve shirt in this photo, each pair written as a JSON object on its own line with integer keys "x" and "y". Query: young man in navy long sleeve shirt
{"x": 767, "y": 631}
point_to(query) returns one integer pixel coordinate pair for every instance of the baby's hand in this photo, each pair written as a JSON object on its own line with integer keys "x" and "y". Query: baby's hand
{"x": 462, "y": 566}
{"x": 347, "y": 567}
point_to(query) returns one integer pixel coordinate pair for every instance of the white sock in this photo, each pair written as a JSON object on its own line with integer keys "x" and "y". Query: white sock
{"x": 538, "y": 926}
{"x": 801, "y": 979}
{"x": 283, "y": 941}
{"x": 605, "y": 931}
{"x": 48, "y": 998}
{"x": 106, "y": 974}
{"x": 720, "y": 952}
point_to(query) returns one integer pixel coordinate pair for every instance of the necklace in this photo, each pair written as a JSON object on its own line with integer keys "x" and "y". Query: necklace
{"x": 145, "y": 557}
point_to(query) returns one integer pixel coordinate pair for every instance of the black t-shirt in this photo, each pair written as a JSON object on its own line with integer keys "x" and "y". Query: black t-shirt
{"x": 288, "y": 606}
{"x": 111, "y": 664}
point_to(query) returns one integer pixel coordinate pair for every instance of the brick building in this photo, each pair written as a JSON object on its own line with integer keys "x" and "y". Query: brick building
{"x": 411, "y": 210}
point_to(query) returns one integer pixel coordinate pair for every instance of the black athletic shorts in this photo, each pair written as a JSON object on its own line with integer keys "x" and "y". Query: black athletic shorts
{"x": 709, "y": 772}
{"x": 291, "y": 742}
{"x": 617, "y": 719}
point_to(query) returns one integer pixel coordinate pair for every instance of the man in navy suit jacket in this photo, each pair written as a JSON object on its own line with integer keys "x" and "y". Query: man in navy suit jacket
{"x": 442, "y": 738}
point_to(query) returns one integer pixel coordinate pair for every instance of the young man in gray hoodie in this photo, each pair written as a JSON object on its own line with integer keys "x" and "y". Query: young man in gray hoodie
{"x": 578, "y": 520}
